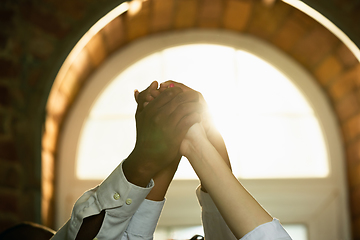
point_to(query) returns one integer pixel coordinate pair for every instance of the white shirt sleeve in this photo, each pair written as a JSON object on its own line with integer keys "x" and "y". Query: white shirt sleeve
{"x": 216, "y": 228}
{"x": 120, "y": 198}
{"x": 214, "y": 225}
{"x": 268, "y": 231}
{"x": 143, "y": 223}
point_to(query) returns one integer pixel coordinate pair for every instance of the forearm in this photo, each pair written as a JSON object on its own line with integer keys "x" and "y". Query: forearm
{"x": 162, "y": 181}
{"x": 138, "y": 170}
{"x": 240, "y": 210}
{"x": 217, "y": 141}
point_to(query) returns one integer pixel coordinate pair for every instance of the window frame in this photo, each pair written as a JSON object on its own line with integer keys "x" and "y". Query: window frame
{"x": 327, "y": 195}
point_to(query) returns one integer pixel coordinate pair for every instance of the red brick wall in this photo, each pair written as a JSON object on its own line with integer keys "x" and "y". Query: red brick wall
{"x": 36, "y": 36}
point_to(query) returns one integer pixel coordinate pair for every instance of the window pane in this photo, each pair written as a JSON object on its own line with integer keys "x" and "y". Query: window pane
{"x": 108, "y": 135}
{"x": 118, "y": 97}
{"x": 273, "y": 146}
{"x": 264, "y": 89}
{"x": 269, "y": 127}
{"x": 103, "y": 145}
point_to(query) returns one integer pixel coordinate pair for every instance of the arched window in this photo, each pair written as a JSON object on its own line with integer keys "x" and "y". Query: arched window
{"x": 278, "y": 127}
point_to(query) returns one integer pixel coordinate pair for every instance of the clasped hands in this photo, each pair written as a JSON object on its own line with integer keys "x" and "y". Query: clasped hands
{"x": 170, "y": 122}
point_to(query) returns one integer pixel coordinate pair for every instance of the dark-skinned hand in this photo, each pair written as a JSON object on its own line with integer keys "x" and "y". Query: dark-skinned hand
{"x": 164, "y": 177}
{"x": 161, "y": 127}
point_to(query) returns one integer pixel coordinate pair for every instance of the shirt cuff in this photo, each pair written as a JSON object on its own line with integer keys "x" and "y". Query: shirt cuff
{"x": 119, "y": 197}
{"x": 268, "y": 231}
{"x": 145, "y": 219}
{"x": 205, "y": 201}
{"x": 116, "y": 190}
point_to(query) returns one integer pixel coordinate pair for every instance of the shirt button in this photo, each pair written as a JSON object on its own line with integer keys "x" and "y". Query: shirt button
{"x": 116, "y": 196}
{"x": 128, "y": 201}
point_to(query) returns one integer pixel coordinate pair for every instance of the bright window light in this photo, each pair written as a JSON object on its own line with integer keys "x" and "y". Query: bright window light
{"x": 269, "y": 127}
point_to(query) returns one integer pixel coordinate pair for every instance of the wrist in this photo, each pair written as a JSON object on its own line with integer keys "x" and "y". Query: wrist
{"x": 197, "y": 148}
{"x": 136, "y": 171}
{"x": 162, "y": 181}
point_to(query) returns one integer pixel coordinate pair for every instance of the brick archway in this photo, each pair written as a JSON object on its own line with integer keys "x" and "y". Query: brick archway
{"x": 330, "y": 62}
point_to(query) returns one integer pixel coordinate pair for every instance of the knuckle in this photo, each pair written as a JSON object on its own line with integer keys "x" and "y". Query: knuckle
{"x": 195, "y": 95}
{"x": 148, "y": 98}
{"x": 180, "y": 98}
{"x": 169, "y": 93}
{"x": 183, "y": 107}
{"x": 195, "y": 117}
{"x": 188, "y": 121}
{"x": 142, "y": 94}
{"x": 156, "y": 119}
{"x": 155, "y": 93}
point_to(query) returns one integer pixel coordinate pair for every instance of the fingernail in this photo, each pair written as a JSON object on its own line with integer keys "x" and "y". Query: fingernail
{"x": 171, "y": 85}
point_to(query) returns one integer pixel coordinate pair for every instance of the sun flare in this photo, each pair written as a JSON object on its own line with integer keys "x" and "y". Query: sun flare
{"x": 268, "y": 125}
